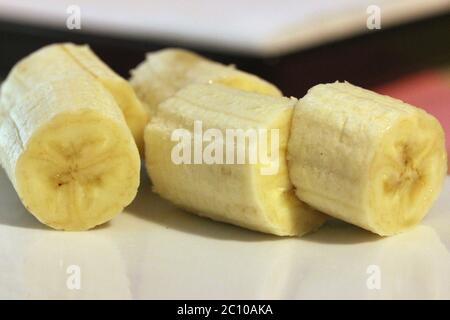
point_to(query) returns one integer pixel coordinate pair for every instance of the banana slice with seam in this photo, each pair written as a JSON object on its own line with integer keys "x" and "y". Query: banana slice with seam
{"x": 166, "y": 71}
{"x": 371, "y": 160}
{"x": 134, "y": 112}
{"x": 64, "y": 143}
{"x": 51, "y": 61}
{"x": 233, "y": 192}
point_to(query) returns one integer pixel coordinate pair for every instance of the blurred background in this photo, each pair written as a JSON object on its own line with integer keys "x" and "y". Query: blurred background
{"x": 395, "y": 47}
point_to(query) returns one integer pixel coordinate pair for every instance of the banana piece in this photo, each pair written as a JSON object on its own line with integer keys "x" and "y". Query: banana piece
{"x": 135, "y": 114}
{"x": 166, "y": 71}
{"x": 368, "y": 159}
{"x": 241, "y": 194}
{"x": 64, "y": 143}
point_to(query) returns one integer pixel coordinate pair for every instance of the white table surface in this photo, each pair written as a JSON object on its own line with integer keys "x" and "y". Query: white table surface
{"x": 154, "y": 251}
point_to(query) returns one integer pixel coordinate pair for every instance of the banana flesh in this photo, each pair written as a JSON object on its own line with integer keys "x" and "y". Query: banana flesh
{"x": 165, "y": 72}
{"x": 235, "y": 193}
{"x": 134, "y": 112}
{"x": 64, "y": 142}
{"x": 67, "y": 124}
{"x": 367, "y": 159}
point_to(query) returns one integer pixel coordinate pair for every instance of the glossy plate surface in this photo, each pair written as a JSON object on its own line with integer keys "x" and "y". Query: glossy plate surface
{"x": 155, "y": 251}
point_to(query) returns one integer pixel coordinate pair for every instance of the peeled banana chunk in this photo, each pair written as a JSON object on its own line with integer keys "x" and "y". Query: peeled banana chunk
{"x": 165, "y": 72}
{"x": 64, "y": 142}
{"x": 188, "y": 158}
{"x": 368, "y": 159}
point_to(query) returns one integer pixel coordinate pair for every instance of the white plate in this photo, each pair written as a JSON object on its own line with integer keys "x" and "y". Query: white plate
{"x": 264, "y": 27}
{"x": 154, "y": 251}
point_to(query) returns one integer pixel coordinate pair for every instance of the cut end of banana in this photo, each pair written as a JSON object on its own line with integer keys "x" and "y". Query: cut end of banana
{"x": 367, "y": 159}
{"x": 78, "y": 171}
{"x": 406, "y": 173}
{"x": 165, "y": 72}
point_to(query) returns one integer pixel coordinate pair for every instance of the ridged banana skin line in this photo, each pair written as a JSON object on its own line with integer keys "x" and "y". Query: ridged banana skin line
{"x": 166, "y": 71}
{"x": 134, "y": 112}
{"x": 64, "y": 143}
{"x": 371, "y": 160}
{"x": 233, "y": 193}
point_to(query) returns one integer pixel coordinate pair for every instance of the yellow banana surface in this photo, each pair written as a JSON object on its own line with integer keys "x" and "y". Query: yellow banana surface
{"x": 368, "y": 159}
{"x": 165, "y": 72}
{"x": 134, "y": 112}
{"x": 64, "y": 142}
{"x": 240, "y": 193}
